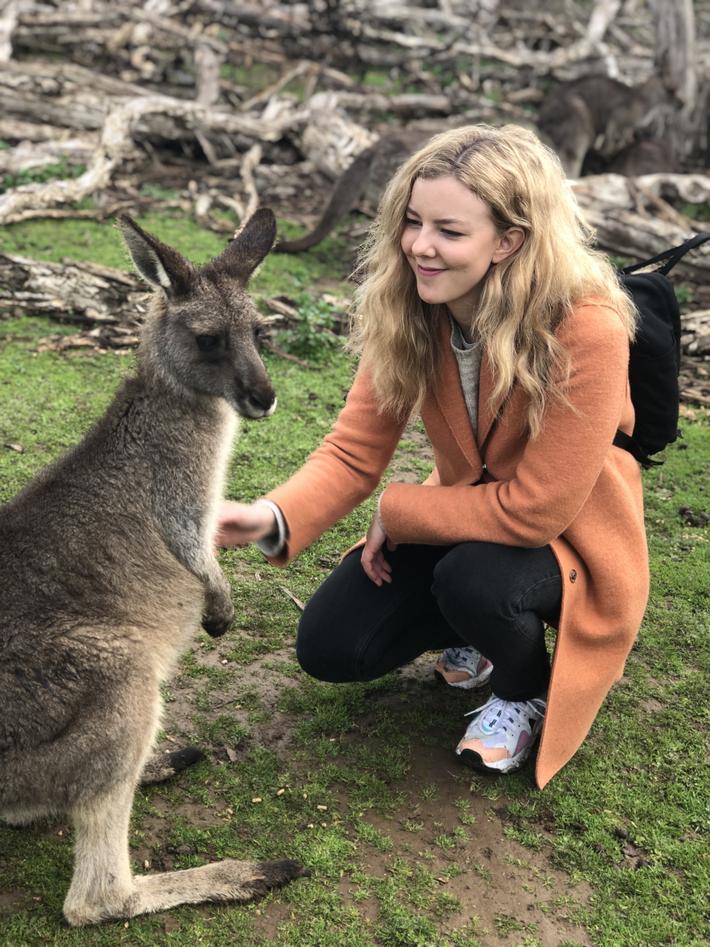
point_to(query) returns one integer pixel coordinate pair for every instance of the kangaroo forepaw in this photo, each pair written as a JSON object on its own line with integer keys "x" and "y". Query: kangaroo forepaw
{"x": 216, "y": 622}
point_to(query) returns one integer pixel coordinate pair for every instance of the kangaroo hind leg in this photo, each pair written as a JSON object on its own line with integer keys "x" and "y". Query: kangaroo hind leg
{"x": 103, "y": 887}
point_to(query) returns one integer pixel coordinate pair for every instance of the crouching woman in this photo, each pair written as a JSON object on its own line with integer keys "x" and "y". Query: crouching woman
{"x": 482, "y": 307}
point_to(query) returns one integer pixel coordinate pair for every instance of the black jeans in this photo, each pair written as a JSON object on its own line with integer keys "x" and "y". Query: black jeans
{"x": 493, "y": 597}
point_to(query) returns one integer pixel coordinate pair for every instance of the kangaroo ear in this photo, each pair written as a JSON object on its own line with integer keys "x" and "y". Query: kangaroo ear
{"x": 157, "y": 263}
{"x": 248, "y": 248}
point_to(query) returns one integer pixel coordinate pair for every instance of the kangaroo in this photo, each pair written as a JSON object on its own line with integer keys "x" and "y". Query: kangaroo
{"x": 594, "y": 120}
{"x": 108, "y": 569}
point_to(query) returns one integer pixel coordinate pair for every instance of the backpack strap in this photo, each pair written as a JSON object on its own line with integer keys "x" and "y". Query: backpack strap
{"x": 626, "y": 442}
{"x": 672, "y": 255}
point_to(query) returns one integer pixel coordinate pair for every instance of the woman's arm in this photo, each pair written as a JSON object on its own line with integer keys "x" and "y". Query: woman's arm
{"x": 339, "y": 474}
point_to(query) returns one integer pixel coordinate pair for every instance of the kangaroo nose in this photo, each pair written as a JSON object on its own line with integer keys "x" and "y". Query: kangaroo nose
{"x": 263, "y": 403}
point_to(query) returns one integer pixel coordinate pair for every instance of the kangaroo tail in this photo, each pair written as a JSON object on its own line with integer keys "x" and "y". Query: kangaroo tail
{"x": 346, "y": 192}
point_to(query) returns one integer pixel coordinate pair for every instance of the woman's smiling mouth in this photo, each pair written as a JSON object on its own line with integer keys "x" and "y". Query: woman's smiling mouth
{"x": 429, "y": 271}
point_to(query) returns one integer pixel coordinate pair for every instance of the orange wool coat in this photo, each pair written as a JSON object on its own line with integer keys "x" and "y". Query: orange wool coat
{"x": 569, "y": 488}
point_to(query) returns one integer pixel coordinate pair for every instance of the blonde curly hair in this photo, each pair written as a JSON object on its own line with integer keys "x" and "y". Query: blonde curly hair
{"x": 524, "y": 297}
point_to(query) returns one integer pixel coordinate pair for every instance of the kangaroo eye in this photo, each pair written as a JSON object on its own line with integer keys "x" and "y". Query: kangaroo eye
{"x": 208, "y": 343}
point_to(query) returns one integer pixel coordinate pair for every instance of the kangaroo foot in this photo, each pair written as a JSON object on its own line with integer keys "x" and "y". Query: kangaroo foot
{"x": 164, "y": 766}
{"x": 227, "y": 880}
{"x": 278, "y": 873}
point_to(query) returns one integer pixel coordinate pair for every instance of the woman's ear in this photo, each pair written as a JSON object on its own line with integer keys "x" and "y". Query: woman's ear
{"x": 511, "y": 241}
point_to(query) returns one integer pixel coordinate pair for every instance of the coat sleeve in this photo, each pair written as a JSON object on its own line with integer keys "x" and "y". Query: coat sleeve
{"x": 339, "y": 474}
{"x": 556, "y": 471}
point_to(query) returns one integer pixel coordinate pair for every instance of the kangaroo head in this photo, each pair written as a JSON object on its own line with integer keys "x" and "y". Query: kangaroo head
{"x": 203, "y": 332}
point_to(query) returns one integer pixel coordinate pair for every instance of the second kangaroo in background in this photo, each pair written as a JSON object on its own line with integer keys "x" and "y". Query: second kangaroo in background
{"x": 108, "y": 570}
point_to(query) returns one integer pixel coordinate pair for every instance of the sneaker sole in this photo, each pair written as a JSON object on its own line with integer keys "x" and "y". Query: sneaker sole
{"x": 475, "y": 761}
{"x": 470, "y": 685}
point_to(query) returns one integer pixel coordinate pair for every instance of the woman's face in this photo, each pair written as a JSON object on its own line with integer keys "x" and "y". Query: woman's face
{"x": 450, "y": 241}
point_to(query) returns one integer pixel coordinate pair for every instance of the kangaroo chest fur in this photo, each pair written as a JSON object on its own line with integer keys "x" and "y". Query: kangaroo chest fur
{"x": 186, "y": 446}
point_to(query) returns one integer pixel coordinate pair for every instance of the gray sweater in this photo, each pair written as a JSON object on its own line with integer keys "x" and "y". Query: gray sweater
{"x": 468, "y": 355}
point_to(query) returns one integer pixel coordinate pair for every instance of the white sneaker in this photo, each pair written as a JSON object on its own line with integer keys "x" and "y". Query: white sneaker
{"x": 502, "y": 734}
{"x": 463, "y": 667}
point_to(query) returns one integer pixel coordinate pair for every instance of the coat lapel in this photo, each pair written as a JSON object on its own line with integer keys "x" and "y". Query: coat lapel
{"x": 485, "y": 415}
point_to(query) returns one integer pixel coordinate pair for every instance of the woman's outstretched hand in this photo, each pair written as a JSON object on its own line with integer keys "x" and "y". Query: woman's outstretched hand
{"x": 242, "y": 523}
{"x": 373, "y": 557}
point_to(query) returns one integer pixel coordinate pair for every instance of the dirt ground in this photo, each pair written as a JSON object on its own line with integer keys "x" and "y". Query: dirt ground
{"x": 500, "y": 877}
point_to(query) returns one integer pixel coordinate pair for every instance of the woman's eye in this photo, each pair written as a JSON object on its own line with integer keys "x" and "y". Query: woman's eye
{"x": 451, "y": 233}
{"x": 208, "y": 343}
{"x": 410, "y": 222}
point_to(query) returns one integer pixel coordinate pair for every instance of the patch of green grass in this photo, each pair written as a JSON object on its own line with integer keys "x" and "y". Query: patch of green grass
{"x": 48, "y": 172}
{"x": 253, "y": 77}
{"x": 627, "y": 816}
{"x": 40, "y": 416}
{"x": 699, "y": 211}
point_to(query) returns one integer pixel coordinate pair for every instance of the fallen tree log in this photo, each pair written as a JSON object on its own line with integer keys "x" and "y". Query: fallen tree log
{"x": 625, "y": 226}
{"x": 124, "y": 126}
{"x": 84, "y": 293}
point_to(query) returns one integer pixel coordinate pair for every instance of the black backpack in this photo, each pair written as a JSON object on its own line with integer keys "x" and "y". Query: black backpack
{"x": 654, "y": 361}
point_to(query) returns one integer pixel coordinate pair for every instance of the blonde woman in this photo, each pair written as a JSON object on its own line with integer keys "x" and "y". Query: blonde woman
{"x": 483, "y": 308}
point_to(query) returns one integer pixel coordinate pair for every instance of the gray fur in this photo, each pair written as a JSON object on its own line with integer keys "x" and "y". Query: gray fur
{"x": 108, "y": 570}
{"x": 595, "y": 121}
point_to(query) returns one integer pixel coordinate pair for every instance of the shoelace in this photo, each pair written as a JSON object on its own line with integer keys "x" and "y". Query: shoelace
{"x": 497, "y": 710}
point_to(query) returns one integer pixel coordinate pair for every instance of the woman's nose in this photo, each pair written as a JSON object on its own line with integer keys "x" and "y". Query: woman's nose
{"x": 422, "y": 245}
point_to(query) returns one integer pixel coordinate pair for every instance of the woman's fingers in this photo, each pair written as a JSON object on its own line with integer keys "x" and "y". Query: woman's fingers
{"x": 376, "y": 573}
{"x": 242, "y": 523}
{"x": 376, "y": 567}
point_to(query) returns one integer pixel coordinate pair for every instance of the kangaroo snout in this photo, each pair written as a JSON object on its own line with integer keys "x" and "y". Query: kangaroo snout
{"x": 255, "y": 397}
{"x": 258, "y": 401}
